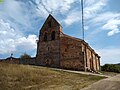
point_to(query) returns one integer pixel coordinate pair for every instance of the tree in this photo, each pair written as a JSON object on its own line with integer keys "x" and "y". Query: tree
{"x": 111, "y": 68}
{"x": 1, "y": 1}
{"x": 25, "y": 56}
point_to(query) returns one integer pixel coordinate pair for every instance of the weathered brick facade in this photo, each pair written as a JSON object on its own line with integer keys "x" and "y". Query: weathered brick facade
{"x": 55, "y": 49}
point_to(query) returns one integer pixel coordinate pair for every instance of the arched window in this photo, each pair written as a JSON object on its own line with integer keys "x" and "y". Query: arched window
{"x": 45, "y": 37}
{"x": 53, "y": 35}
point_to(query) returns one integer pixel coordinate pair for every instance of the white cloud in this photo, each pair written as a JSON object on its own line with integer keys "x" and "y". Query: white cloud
{"x": 13, "y": 9}
{"x": 55, "y": 6}
{"x": 105, "y": 16}
{"x": 72, "y": 18}
{"x": 114, "y": 31}
{"x": 21, "y": 15}
{"x": 13, "y": 41}
{"x": 86, "y": 27}
{"x": 109, "y": 55}
{"x": 63, "y": 7}
{"x": 105, "y": 21}
{"x": 113, "y": 26}
{"x": 91, "y": 9}
{"x": 26, "y": 43}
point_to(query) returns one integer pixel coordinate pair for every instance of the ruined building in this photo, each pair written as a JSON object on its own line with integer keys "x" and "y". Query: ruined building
{"x": 56, "y": 49}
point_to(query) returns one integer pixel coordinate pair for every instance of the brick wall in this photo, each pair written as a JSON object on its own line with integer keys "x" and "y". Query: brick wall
{"x": 71, "y": 53}
{"x": 48, "y": 51}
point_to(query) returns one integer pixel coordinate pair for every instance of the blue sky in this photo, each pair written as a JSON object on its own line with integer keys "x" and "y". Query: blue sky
{"x": 21, "y": 20}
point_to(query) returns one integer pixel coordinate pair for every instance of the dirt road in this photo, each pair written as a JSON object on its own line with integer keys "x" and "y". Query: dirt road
{"x": 80, "y": 72}
{"x": 111, "y": 83}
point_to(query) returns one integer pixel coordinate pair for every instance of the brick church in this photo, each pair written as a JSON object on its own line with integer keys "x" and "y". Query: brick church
{"x": 56, "y": 49}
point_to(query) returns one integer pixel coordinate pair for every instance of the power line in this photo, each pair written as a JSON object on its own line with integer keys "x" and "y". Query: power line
{"x": 41, "y": 2}
{"x": 82, "y": 19}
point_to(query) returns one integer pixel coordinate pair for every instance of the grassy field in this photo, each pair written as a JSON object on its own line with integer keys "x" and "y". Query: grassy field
{"x": 25, "y": 77}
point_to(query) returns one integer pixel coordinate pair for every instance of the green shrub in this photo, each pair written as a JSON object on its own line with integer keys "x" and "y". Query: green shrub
{"x": 111, "y": 68}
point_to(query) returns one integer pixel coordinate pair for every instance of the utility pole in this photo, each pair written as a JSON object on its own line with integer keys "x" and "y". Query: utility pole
{"x": 82, "y": 19}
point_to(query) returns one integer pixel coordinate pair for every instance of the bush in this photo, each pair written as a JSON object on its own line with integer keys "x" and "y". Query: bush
{"x": 25, "y": 56}
{"x": 111, "y": 68}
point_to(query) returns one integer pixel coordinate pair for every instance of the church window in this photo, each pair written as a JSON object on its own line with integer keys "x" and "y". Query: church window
{"x": 53, "y": 35}
{"x": 45, "y": 37}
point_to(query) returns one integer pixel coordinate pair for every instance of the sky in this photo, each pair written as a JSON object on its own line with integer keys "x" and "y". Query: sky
{"x": 21, "y": 20}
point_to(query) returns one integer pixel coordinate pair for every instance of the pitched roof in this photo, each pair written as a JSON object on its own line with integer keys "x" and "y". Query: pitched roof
{"x": 53, "y": 19}
{"x": 50, "y": 16}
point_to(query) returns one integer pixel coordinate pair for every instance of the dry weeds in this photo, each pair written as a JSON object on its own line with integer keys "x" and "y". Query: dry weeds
{"x": 26, "y": 77}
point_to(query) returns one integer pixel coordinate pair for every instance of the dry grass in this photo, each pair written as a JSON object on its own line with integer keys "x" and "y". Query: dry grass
{"x": 25, "y": 77}
{"x": 109, "y": 73}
